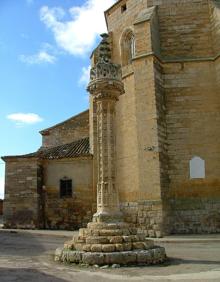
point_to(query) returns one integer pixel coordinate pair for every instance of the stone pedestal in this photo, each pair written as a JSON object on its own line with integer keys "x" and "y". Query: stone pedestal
{"x": 108, "y": 239}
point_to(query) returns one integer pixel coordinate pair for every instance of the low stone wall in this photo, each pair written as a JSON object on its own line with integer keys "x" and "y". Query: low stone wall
{"x": 194, "y": 216}
{"x": 146, "y": 216}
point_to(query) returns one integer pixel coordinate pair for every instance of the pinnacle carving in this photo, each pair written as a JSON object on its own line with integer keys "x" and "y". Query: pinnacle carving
{"x": 104, "y": 68}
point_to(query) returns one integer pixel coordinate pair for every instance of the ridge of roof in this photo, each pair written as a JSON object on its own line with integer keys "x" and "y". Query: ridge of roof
{"x": 62, "y": 122}
{"x": 74, "y": 149}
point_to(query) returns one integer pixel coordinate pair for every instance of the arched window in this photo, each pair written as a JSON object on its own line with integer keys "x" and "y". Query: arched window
{"x": 127, "y": 47}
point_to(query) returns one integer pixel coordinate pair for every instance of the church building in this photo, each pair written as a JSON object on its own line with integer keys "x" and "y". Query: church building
{"x": 167, "y": 130}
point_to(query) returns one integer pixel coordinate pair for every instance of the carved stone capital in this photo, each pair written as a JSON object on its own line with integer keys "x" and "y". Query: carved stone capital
{"x": 106, "y": 88}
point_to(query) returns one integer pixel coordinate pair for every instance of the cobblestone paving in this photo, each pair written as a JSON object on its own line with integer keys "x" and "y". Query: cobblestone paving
{"x": 29, "y": 257}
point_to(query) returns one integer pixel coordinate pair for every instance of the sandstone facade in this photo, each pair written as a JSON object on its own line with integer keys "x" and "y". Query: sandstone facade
{"x": 167, "y": 126}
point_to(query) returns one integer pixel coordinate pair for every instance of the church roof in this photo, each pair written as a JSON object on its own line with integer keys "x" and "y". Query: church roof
{"x": 79, "y": 148}
{"x": 63, "y": 122}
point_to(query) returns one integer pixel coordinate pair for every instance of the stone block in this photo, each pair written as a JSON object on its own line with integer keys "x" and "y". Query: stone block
{"x": 111, "y": 232}
{"x": 73, "y": 256}
{"x": 127, "y": 239}
{"x": 69, "y": 245}
{"x": 86, "y": 247}
{"x": 114, "y": 258}
{"x": 93, "y": 258}
{"x": 148, "y": 244}
{"x": 97, "y": 240}
{"x": 116, "y": 239}
{"x": 138, "y": 246}
{"x": 58, "y": 254}
{"x": 108, "y": 248}
{"x": 151, "y": 233}
{"x": 127, "y": 246}
{"x": 119, "y": 247}
{"x": 130, "y": 257}
{"x": 96, "y": 248}
{"x": 144, "y": 257}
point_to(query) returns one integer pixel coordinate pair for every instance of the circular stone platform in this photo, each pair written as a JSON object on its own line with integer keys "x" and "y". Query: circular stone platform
{"x": 110, "y": 243}
{"x": 155, "y": 255}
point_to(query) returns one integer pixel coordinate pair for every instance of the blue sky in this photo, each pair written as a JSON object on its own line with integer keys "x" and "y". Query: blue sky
{"x": 44, "y": 54}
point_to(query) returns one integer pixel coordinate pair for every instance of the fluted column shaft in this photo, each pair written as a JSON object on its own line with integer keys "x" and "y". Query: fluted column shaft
{"x": 107, "y": 194}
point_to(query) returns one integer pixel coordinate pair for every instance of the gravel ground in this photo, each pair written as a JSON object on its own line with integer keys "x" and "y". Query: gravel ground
{"x": 29, "y": 257}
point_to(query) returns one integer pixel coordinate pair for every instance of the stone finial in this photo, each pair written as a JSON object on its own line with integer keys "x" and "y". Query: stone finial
{"x": 104, "y": 68}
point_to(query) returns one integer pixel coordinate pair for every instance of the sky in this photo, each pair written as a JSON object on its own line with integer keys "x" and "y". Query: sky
{"x": 44, "y": 67}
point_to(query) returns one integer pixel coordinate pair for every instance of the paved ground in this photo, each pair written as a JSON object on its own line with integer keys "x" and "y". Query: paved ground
{"x": 27, "y": 256}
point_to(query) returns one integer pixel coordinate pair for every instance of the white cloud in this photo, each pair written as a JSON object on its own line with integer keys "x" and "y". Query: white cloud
{"x": 39, "y": 58}
{"x": 77, "y": 35}
{"x": 2, "y": 187}
{"x": 22, "y": 118}
{"x": 84, "y": 79}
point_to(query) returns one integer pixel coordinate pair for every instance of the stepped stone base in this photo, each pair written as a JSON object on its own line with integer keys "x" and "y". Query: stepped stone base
{"x": 155, "y": 255}
{"x": 110, "y": 243}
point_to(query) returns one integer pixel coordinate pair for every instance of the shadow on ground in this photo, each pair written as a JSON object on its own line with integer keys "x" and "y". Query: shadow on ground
{"x": 23, "y": 275}
{"x": 26, "y": 244}
{"x": 179, "y": 261}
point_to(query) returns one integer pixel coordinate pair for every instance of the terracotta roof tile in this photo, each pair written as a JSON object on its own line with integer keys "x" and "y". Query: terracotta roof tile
{"x": 75, "y": 149}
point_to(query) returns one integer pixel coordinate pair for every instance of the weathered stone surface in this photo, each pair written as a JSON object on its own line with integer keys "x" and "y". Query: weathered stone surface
{"x": 119, "y": 247}
{"x": 97, "y": 240}
{"x": 112, "y": 258}
{"x": 58, "y": 254}
{"x": 86, "y": 247}
{"x": 127, "y": 238}
{"x": 138, "y": 246}
{"x": 93, "y": 258}
{"x": 153, "y": 256}
{"x": 127, "y": 246}
{"x": 148, "y": 244}
{"x": 116, "y": 240}
{"x": 108, "y": 248}
{"x": 144, "y": 257}
{"x": 96, "y": 248}
{"x": 69, "y": 245}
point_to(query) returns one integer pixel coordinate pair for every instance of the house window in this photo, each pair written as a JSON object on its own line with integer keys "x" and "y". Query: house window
{"x": 65, "y": 188}
{"x": 127, "y": 47}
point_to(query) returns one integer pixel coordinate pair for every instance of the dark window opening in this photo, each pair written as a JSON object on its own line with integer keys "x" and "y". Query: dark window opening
{"x": 65, "y": 188}
{"x": 123, "y": 8}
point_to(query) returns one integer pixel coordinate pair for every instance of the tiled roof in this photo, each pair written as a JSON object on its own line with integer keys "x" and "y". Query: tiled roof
{"x": 75, "y": 149}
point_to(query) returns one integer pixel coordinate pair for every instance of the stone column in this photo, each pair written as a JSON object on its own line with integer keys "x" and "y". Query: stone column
{"x": 108, "y": 240}
{"x": 105, "y": 86}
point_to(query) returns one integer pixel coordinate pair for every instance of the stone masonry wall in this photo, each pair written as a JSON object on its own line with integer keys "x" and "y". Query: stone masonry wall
{"x": 68, "y": 212}
{"x": 185, "y": 28}
{"x": 21, "y": 204}
{"x": 146, "y": 216}
{"x": 215, "y": 25}
{"x": 193, "y": 129}
{"x": 195, "y": 215}
{"x": 68, "y": 131}
{"x": 176, "y": 110}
